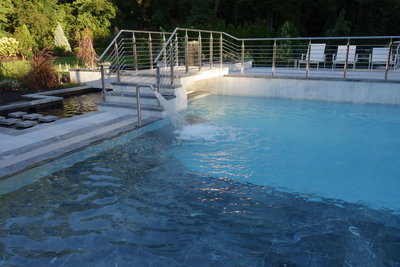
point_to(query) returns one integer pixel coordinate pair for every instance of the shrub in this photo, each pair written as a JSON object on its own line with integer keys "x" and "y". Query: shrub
{"x": 8, "y": 47}
{"x": 86, "y": 53}
{"x": 9, "y": 83}
{"x": 26, "y": 42}
{"x": 60, "y": 40}
{"x": 15, "y": 69}
{"x": 43, "y": 75}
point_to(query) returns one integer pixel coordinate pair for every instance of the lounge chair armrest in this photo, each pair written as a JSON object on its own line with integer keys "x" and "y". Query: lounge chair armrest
{"x": 303, "y": 56}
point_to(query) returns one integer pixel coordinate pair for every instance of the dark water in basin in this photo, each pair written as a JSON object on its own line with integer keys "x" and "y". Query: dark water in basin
{"x": 76, "y": 105}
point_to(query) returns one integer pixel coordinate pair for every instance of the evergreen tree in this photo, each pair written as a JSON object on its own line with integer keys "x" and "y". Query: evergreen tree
{"x": 6, "y": 10}
{"x": 60, "y": 40}
{"x": 26, "y": 42}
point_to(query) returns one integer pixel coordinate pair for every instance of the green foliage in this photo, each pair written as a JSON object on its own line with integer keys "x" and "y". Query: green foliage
{"x": 60, "y": 40}
{"x": 95, "y": 15}
{"x": 26, "y": 42}
{"x": 40, "y": 16}
{"x": 15, "y": 69}
{"x": 342, "y": 26}
{"x": 243, "y": 18}
{"x": 10, "y": 83}
{"x": 284, "y": 48}
{"x": 6, "y": 10}
{"x": 8, "y": 47}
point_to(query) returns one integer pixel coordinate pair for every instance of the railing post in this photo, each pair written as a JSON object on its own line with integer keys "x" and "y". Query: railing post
{"x": 308, "y": 59}
{"x": 221, "y": 52}
{"x": 176, "y": 50}
{"x": 138, "y": 108}
{"x": 274, "y": 58}
{"x": 211, "y": 50}
{"x": 242, "y": 59}
{"x": 346, "y": 60}
{"x": 164, "y": 53}
{"x": 388, "y": 59}
{"x": 158, "y": 79}
{"x": 103, "y": 88}
{"x": 171, "y": 51}
{"x": 118, "y": 61}
{"x": 135, "y": 62}
{"x": 186, "y": 52}
{"x": 151, "y": 51}
{"x": 200, "y": 51}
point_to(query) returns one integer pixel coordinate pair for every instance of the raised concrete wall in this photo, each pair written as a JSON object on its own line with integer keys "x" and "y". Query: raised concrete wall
{"x": 303, "y": 89}
{"x": 91, "y": 78}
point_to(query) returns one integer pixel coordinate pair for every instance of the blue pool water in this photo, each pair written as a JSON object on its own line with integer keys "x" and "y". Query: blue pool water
{"x": 249, "y": 182}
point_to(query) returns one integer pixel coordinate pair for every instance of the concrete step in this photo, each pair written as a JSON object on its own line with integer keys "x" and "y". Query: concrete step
{"x": 197, "y": 94}
{"x": 130, "y": 97}
{"x": 130, "y": 108}
{"x": 131, "y": 86}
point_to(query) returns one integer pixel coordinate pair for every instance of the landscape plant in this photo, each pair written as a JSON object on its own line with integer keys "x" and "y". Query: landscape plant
{"x": 60, "y": 40}
{"x": 26, "y": 42}
{"x": 8, "y": 47}
{"x": 43, "y": 75}
{"x": 86, "y": 53}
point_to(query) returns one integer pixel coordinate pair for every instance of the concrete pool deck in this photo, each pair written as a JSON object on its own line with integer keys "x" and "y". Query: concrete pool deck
{"x": 22, "y": 149}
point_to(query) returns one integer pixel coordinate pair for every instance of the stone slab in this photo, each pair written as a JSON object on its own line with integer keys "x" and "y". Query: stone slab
{"x": 32, "y": 116}
{"x": 17, "y": 114}
{"x": 10, "y": 121}
{"x": 48, "y": 118}
{"x": 25, "y": 124}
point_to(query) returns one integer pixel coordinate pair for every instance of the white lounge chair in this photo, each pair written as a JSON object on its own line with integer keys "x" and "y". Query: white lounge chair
{"x": 317, "y": 55}
{"x": 380, "y": 56}
{"x": 340, "y": 56}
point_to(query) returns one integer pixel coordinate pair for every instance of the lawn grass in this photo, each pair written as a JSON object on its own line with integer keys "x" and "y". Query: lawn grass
{"x": 67, "y": 60}
{"x": 19, "y": 69}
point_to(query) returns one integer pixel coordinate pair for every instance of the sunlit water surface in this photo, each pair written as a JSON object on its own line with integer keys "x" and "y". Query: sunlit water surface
{"x": 249, "y": 182}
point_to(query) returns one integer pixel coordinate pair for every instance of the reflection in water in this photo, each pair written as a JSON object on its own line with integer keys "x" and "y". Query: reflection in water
{"x": 76, "y": 105}
{"x": 134, "y": 206}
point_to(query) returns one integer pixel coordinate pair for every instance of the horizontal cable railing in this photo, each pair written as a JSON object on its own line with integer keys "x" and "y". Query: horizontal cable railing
{"x": 163, "y": 54}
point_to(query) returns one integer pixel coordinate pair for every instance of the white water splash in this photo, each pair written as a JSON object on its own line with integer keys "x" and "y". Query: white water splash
{"x": 206, "y": 132}
{"x": 176, "y": 119}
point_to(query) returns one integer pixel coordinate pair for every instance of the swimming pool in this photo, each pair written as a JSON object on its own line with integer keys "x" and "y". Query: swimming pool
{"x": 250, "y": 182}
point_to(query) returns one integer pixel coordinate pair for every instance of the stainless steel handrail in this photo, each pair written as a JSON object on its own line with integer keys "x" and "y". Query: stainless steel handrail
{"x": 134, "y": 50}
{"x": 124, "y": 31}
{"x": 138, "y": 104}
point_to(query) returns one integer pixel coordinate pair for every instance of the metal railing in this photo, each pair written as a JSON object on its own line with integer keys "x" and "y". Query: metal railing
{"x": 162, "y": 55}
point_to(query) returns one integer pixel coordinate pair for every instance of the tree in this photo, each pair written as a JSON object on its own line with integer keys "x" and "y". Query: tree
{"x": 86, "y": 53}
{"x": 6, "y": 9}
{"x": 342, "y": 26}
{"x": 95, "y": 15}
{"x": 40, "y": 16}
{"x": 60, "y": 40}
{"x": 26, "y": 42}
